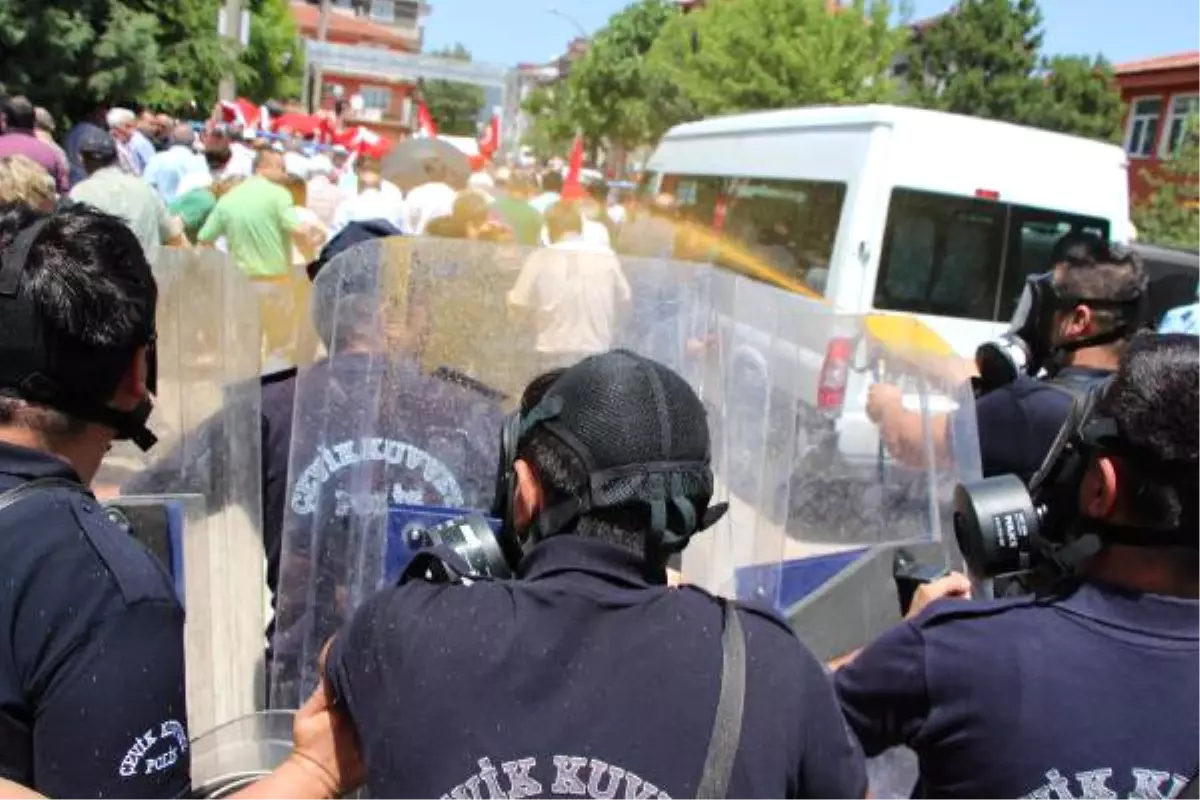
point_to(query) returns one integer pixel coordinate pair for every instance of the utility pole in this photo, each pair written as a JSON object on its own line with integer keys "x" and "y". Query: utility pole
{"x": 314, "y": 97}
{"x": 230, "y": 27}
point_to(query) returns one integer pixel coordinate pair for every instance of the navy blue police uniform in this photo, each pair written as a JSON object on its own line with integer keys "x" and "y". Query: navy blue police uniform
{"x": 92, "y": 697}
{"x": 1017, "y": 422}
{"x": 579, "y": 679}
{"x": 1087, "y": 693}
{"x": 586, "y": 675}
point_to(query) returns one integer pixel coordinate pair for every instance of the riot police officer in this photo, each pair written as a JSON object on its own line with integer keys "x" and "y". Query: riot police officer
{"x": 1087, "y": 689}
{"x": 92, "y": 698}
{"x": 587, "y": 674}
{"x": 1071, "y": 323}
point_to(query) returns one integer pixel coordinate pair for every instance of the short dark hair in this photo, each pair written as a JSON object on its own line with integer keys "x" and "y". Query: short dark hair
{"x": 19, "y": 113}
{"x": 564, "y": 476}
{"x": 1097, "y": 270}
{"x": 563, "y": 218}
{"x": 1155, "y": 400}
{"x": 552, "y": 181}
{"x": 94, "y": 294}
{"x": 598, "y": 190}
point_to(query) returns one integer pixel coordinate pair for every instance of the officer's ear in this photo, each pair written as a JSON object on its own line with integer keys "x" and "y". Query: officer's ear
{"x": 1078, "y": 322}
{"x": 530, "y": 496}
{"x": 1098, "y": 493}
{"x": 132, "y": 389}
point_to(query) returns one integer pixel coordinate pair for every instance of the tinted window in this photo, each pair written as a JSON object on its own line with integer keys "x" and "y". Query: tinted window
{"x": 965, "y": 256}
{"x": 778, "y": 231}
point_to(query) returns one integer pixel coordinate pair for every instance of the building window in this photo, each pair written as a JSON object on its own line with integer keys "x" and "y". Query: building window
{"x": 1183, "y": 108}
{"x": 383, "y": 10}
{"x": 376, "y": 97}
{"x": 408, "y": 12}
{"x": 966, "y": 257}
{"x": 1143, "y": 126}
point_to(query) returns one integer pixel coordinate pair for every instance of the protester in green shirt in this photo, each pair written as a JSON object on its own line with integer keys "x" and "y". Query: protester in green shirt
{"x": 257, "y": 220}
{"x": 197, "y": 195}
{"x": 512, "y": 205}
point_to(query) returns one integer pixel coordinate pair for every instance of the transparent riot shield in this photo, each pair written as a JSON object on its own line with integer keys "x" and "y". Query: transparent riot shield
{"x": 195, "y": 498}
{"x": 397, "y": 426}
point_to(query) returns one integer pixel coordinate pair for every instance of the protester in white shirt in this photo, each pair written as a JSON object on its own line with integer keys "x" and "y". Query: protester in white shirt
{"x": 575, "y": 290}
{"x": 324, "y": 196}
{"x": 432, "y": 199}
{"x": 376, "y": 199}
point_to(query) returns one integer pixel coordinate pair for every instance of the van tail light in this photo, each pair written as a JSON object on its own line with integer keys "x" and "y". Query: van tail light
{"x": 835, "y": 372}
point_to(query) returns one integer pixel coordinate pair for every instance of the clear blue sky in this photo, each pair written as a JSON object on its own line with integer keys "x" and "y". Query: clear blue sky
{"x": 513, "y": 31}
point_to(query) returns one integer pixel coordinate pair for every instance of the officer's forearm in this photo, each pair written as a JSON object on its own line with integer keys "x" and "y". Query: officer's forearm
{"x": 294, "y": 778}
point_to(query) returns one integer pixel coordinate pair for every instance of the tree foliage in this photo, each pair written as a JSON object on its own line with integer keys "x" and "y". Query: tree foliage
{"x": 454, "y": 106}
{"x": 552, "y": 128}
{"x": 983, "y": 58}
{"x": 1170, "y": 214}
{"x": 272, "y": 67}
{"x": 611, "y": 92}
{"x": 764, "y": 54}
{"x": 70, "y": 55}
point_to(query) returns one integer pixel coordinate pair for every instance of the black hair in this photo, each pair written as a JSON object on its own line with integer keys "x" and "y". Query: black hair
{"x": 94, "y": 294}
{"x": 598, "y": 190}
{"x": 552, "y": 181}
{"x": 1094, "y": 269}
{"x": 564, "y": 476}
{"x": 561, "y": 219}
{"x": 94, "y": 161}
{"x": 1155, "y": 400}
{"x": 19, "y": 114}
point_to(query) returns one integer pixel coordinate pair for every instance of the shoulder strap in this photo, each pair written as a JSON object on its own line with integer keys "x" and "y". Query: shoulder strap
{"x": 1079, "y": 387}
{"x": 19, "y": 493}
{"x": 727, "y": 725}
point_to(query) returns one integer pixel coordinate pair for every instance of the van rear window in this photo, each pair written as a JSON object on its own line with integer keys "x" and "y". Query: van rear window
{"x": 778, "y": 231}
{"x": 964, "y": 256}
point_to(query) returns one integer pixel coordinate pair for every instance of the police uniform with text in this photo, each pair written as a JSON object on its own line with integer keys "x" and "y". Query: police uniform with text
{"x": 585, "y": 675}
{"x": 92, "y": 696}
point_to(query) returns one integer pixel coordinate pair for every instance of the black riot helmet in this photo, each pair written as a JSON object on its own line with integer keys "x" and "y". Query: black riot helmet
{"x": 1145, "y": 417}
{"x": 77, "y": 301}
{"x": 641, "y": 434}
{"x": 1029, "y": 346}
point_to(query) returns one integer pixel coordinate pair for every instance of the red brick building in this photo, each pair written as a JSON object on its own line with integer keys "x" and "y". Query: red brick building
{"x": 1159, "y": 94}
{"x": 377, "y": 102}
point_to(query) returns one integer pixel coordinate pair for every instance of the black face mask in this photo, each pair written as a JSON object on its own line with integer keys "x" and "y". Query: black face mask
{"x": 27, "y": 369}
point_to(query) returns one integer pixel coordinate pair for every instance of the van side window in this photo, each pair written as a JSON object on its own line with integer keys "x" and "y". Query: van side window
{"x": 779, "y": 231}
{"x": 965, "y": 257}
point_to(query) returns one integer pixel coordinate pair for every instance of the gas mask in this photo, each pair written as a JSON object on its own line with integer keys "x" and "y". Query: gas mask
{"x": 1029, "y": 346}
{"x": 1004, "y": 527}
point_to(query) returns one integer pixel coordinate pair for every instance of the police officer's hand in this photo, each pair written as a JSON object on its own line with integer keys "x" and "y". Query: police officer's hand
{"x": 883, "y": 399}
{"x": 325, "y": 744}
{"x": 953, "y": 585}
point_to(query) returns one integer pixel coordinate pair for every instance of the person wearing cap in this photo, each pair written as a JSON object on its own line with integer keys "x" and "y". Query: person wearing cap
{"x": 111, "y": 189}
{"x": 587, "y": 674}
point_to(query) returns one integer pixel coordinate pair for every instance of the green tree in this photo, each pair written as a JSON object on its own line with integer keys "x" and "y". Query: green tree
{"x": 611, "y": 93}
{"x": 68, "y": 55}
{"x": 1170, "y": 214}
{"x": 193, "y": 57}
{"x": 764, "y": 54}
{"x": 984, "y": 59}
{"x": 272, "y": 67}
{"x": 552, "y": 128}
{"x": 454, "y": 106}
